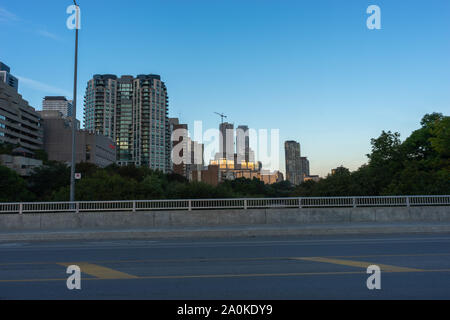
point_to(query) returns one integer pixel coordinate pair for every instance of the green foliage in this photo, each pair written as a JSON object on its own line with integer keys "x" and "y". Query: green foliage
{"x": 418, "y": 165}
{"x": 48, "y": 178}
{"x": 246, "y": 187}
{"x": 341, "y": 183}
{"x": 7, "y": 148}
{"x": 194, "y": 190}
{"x": 86, "y": 169}
{"x": 440, "y": 138}
{"x": 152, "y": 187}
{"x": 130, "y": 171}
{"x": 41, "y": 155}
{"x": 104, "y": 186}
{"x": 12, "y": 187}
{"x": 424, "y": 168}
{"x": 280, "y": 189}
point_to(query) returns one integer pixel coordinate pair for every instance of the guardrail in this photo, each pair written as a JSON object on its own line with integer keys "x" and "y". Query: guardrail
{"x": 232, "y": 203}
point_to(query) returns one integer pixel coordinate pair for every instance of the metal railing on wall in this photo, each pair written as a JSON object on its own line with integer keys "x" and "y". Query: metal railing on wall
{"x": 232, "y": 203}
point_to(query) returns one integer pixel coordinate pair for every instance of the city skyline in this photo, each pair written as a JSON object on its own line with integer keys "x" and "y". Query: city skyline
{"x": 352, "y": 81}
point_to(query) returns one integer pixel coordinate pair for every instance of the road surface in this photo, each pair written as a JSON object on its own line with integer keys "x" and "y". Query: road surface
{"x": 412, "y": 267}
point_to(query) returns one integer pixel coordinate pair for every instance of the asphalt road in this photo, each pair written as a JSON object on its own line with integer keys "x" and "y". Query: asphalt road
{"x": 412, "y": 267}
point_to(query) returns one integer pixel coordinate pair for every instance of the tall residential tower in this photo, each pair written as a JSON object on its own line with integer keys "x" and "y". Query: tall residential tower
{"x": 133, "y": 111}
{"x": 293, "y": 162}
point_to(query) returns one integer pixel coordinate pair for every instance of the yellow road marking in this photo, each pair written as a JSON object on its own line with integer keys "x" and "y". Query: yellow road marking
{"x": 204, "y": 276}
{"x": 99, "y": 271}
{"x": 360, "y": 264}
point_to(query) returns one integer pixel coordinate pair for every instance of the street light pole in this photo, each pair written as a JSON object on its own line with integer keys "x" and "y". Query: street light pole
{"x": 74, "y": 110}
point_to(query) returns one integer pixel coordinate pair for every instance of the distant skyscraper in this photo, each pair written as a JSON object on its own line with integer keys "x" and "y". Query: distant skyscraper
{"x": 187, "y": 155}
{"x": 133, "y": 111}
{"x": 226, "y": 141}
{"x": 304, "y": 166}
{"x": 61, "y": 104}
{"x": 242, "y": 143}
{"x": 179, "y": 142}
{"x": 7, "y": 77}
{"x": 293, "y": 162}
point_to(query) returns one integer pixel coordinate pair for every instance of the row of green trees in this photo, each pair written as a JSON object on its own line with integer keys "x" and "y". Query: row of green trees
{"x": 418, "y": 165}
{"x": 51, "y": 183}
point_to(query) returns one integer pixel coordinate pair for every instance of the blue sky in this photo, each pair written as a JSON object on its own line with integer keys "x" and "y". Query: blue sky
{"x": 309, "y": 68}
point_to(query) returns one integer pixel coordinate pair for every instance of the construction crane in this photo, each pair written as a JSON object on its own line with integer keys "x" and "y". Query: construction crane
{"x": 221, "y": 115}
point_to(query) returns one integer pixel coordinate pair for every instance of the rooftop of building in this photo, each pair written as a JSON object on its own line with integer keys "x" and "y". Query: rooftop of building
{"x": 10, "y": 90}
{"x": 55, "y": 98}
{"x": 4, "y": 67}
{"x": 115, "y": 77}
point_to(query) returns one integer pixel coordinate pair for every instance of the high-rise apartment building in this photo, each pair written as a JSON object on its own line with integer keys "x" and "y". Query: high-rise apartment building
{"x": 133, "y": 111}
{"x": 56, "y": 103}
{"x": 293, "y": 162}
{"x": 100, "y": 105}
{"x": 7, "y": 77}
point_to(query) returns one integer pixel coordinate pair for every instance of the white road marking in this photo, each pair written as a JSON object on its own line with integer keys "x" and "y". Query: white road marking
{"x": 213, "y": 244}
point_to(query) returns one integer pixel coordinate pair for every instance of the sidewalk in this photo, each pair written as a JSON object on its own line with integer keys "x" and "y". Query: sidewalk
{"x": 226, "y": 232}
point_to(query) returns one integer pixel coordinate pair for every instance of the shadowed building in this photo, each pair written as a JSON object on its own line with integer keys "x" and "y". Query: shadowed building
{"x": 7, "y": 77}
{"x": 186, "y": 155}
{"x": 21, "y": 160}
{"x": 90, "y": 147}
{"x": 179, "y": 138}
{"x": 19, "y": 123}
{"x": 293, "y": 162}
{"x": 133, "y": 111}
{"x": 58, "y": 103}
{"x": 304, "y": 165}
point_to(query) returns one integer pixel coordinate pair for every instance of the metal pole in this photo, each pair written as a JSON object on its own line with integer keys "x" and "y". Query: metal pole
{"x": 74, "y": 113}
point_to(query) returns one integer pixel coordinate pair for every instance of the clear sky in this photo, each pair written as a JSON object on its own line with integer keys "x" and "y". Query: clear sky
{"x": 309, "y": 68}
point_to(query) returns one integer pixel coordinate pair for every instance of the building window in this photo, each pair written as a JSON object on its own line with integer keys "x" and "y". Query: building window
{"x": 88, "y": 152}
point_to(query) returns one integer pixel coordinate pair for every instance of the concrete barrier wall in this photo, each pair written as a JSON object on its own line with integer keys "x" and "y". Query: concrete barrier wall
{"x": 161, "y": 219}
